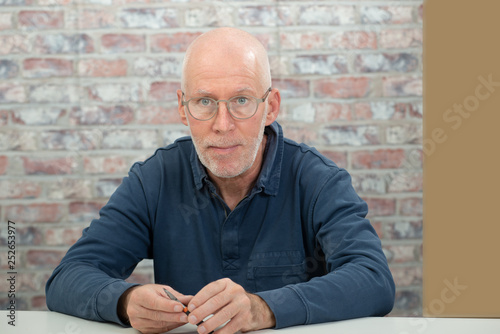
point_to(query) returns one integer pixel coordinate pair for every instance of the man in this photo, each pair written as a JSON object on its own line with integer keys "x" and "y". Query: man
{"x": 242, "y": 224}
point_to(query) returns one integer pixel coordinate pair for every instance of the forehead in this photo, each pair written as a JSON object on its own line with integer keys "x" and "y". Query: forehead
{"x": 233, "y": 70}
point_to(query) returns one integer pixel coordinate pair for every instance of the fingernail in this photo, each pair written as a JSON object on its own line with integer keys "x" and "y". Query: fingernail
{"x": 183, "y": 318}
{"x": 177, "y": 308}
{"x": 201, "y": 330}
{"x": 193, "y": 320}
{"x": 191, "y": 307}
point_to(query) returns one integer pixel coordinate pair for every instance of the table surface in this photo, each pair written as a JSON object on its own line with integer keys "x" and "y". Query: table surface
{"x": 42, "y": 322}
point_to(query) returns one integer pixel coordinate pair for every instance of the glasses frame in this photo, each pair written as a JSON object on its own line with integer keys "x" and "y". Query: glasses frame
{"x": 259, "y": 101}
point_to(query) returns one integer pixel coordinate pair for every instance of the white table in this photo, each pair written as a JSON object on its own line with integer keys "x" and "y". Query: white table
{"x": 39, "y": 322}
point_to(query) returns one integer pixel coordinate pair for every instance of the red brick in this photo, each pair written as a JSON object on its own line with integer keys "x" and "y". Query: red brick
{"x": 35, "y": 213}
{"x": 25, "y": 236}
{"x": 163, "y": 91}
{"x": 22, "y": 140}
{"x": 377, "y": 226}
{"x": 84, "y": 211}
{"x": 14, "y": 44}
{"x": 70, "y": 189}
{"x": 150, "y": 18}
{"x": 37, "y": 19}
{"x": 378, "y": 159}
{"x": 115, "y": 92}
{"x": 169, "y": 136}
{"x": 46, "y": 68}
{"x": 38, "y": 116}
{"x": 93, "y": 18}
{"x": 328, "y": 112}
{"x": 8, "y": 69}
{"x": 327, "y": 15}
{"x": 5, "y": 21}
{"x": 320, "y": 64}
{"x": 176, "y": 42}
{"x": 95, "y": 115}
{"x": 44, "y": 259}
{"x": 402, "y": 86}
{"x": 49, "y": 166}
{"x": 410, "y": 206}
{"x": 4, "y": 162}
{"x": 379, "y": 110}
{"x": 406, "y": 182}
{"x": 381, "y": 206}
{"x": 353, "y": 40}
{"x": 123, "y": 43}
{"x": 290, "y": 88}
{"x": 351, "y": 135}
{"x": 130, "y": 139}
{"x": 421, "y": 14}
{"x": 404, "y": 134}
{"x": 300, "y": 134}
{"x": 209, "y": 16}
{"x": 301, "y": 41}
{"x": 104, "y": 188}
{"x": 63, "y": 44}
{"x": 303, "y": 112}
{"x": 265, "y": 16}
{"x": 399, "y": 62}
{"x": 372, "y": 184}
{"x": 348, "y": 87}
{"x": 407, "y": 276}
{"x": 400, "y": 38}
{"x": 102, "y": 67}
{"x": 340, "y": 158}
{"x": 402, "y": 253}
{"x": 4, "y": 117}
{"x": 70, "y": 140}
{"x": 53, "y": 93}
{"x": 27, "y": 282}
{"x": 10, "y": 189}
{"x": 62, "y": 236}
{"x": 12, "y": 93}
{"x": 158, "y": 115}
{"x": 158, "y": 67}
{"x": 386, "y": 14}
{"x": 404, "y": 230}
{"x": 105, "y": 165}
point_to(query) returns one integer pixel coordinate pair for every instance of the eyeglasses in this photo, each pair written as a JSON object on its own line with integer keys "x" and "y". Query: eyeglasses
{"x": 240, "y": 107}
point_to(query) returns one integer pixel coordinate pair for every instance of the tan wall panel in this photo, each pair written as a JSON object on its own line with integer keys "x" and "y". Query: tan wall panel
{"x": 462, "y": 158}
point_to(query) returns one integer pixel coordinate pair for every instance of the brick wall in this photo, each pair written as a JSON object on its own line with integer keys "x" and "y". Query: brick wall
{"x": 87, "y": 87}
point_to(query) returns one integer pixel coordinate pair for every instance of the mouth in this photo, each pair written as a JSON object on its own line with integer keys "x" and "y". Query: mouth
{"x": 223, "y": 149}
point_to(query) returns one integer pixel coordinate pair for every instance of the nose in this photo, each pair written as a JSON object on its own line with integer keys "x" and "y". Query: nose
{"x": 223, "y": 121}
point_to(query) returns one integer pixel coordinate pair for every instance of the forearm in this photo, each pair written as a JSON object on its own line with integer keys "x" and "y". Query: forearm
{"x": 353, "y": 291}
{"x": 84, "y": 291}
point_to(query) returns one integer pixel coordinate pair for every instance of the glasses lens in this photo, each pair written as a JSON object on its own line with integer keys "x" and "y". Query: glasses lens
{"x": 202, "y": 108}
{"x": 242, "y": 106}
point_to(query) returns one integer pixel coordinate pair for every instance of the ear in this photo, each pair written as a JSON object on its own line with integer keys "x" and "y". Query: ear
{"x": 274, "y": 102}
{"x": 181, "y": 108}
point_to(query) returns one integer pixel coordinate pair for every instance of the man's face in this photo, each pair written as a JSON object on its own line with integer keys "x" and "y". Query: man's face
{"x": 228, "y": 147}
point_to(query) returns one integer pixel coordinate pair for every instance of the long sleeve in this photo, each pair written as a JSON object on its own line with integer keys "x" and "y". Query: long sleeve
{"x": 90, "y": 278}
{"x": 358, "y": 282}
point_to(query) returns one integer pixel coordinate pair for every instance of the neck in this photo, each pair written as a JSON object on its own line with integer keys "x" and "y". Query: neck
{"x": 234, "y": 189}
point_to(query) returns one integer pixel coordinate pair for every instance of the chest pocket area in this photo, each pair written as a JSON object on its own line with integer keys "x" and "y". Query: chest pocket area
{"x": 272, "y": 270}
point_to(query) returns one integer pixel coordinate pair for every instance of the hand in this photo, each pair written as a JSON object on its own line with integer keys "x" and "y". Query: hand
{"x": 228, "y": 301}
{"x": 149, "y": 310}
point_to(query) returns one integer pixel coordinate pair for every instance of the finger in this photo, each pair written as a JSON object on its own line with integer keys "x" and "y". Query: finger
{"x": 221, "y": 317}
{"x": 141, "y": 312}
{"x": 157, "y": 300}
{"x": 207, "y": 292}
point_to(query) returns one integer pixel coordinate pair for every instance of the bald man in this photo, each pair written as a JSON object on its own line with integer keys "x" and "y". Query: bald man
{"x": 243, "y": 225}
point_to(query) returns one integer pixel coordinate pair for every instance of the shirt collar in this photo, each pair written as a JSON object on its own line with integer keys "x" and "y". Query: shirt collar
{"x": 269, "y": 177}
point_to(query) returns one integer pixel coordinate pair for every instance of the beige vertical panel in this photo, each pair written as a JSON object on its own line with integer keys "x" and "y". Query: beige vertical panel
{"x": 462, "y": 158}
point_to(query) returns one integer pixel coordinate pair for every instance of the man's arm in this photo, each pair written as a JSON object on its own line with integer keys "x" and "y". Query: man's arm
{"x": 90, "y": 278}
{"x": 359, "y": 282}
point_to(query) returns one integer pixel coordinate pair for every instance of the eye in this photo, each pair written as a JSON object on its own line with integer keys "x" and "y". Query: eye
{"x": 241, "y": 100}
{"x": 203, "y": 102}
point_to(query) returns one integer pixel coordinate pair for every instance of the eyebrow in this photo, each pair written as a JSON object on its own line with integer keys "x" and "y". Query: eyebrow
{"x": 202, "y": 92}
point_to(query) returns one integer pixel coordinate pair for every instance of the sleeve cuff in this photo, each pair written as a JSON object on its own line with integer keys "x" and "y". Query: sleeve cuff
{"x": 107, "y": 301}
{"x": 287, "y": 306}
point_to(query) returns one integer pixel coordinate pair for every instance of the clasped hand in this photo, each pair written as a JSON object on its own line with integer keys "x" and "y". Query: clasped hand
{"x": 149, "y": 310}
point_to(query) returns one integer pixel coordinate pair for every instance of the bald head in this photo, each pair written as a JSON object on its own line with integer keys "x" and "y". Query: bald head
{"x": 229, "y": 50}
